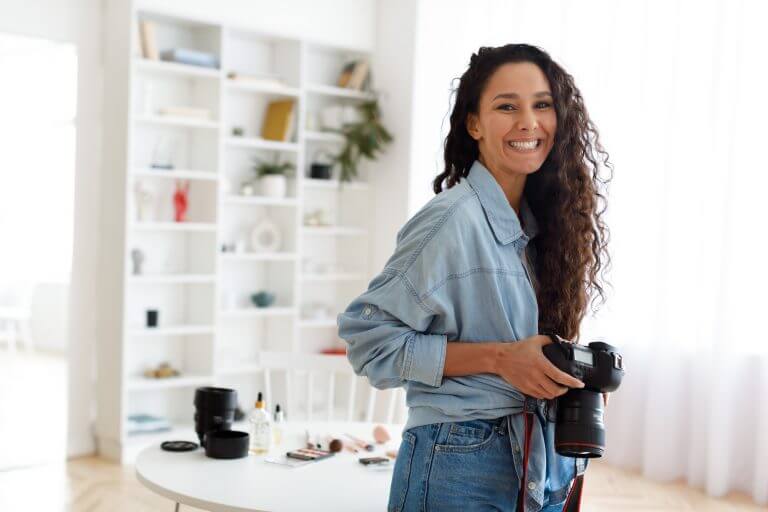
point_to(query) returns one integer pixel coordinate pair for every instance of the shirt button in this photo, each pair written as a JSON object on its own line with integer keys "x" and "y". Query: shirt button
{"x": 532, "y": 485}
{"x": 517, "y": 449}
{"x": 367, "y": 310}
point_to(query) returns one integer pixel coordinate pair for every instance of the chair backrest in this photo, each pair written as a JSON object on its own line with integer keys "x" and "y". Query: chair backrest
{"x": 325, "y": 376}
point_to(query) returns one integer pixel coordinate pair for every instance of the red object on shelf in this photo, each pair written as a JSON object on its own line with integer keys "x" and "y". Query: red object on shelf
{"x": 335, "y": 351}
{"x": 181, "y": 200}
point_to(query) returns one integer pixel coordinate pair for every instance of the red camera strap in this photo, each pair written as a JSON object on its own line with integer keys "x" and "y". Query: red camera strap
{"x": 572, "y": 502}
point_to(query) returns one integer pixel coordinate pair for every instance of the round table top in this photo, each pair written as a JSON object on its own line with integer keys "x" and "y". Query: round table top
{"x": 338, "y": 483}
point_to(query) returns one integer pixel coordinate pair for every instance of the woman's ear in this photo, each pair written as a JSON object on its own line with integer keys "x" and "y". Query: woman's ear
{"x": 471, "y": 125}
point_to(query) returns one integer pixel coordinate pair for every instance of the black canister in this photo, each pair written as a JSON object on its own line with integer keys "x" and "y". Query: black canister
{"x": 214, "y": 410}
{"x": 226, "y": 444}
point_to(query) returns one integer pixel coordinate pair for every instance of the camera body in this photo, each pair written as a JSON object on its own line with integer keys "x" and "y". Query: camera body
{"x": 579, "y": 428}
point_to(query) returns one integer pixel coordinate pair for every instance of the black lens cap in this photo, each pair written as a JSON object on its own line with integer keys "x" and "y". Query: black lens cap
{"x": 178, "y": 446}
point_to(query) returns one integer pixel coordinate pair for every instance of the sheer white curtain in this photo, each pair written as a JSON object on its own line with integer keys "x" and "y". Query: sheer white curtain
{"x": 676, "y": 90}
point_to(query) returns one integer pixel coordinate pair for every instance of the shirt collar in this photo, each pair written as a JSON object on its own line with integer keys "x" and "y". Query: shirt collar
{"x": 501, "y": 216}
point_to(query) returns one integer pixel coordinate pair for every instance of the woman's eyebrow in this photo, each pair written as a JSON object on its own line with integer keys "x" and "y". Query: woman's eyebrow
{"x": 514, "y": 96}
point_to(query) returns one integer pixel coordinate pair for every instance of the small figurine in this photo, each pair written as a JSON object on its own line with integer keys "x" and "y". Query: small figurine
{"x": 180, "y": 200}
{"x": 144, "y": 199}
{"x": 162, "y": 371}
{"x": 138, "y": 258}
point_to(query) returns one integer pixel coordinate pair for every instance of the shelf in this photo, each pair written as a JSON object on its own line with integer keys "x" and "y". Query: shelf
{"x": 276, "y": 90}
{"x": 177, "y": 330}
{"x": 257, "y": 143}
{"x": 241, "y": 369}
{"x": 332, "y": 277}
{"x": 257, "y": 312}
{"x": 185, "y": 381}
{"x": 314, "y": 183}
{"x": 172, "y": 279}
{"x": 176, "y": 174}
{"x": 333, "y": 231}
{"x": 317, "y": 322}
{"x": 174, "y": 226}
{"x": 185, "y": 122}
{"x": 212, "y": 331}
{"x": 255, "y": 256}
{"x": 260, "y": 200}
{"x": 324, "y": 137}
{"x": 339, "y": 92}
{"x": 174, "y": 68}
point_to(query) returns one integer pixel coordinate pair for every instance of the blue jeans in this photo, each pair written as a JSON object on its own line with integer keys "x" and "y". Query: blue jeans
{"x": 462, "y": 466}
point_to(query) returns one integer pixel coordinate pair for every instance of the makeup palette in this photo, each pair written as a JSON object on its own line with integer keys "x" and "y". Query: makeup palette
{"x": 309, "y": 454}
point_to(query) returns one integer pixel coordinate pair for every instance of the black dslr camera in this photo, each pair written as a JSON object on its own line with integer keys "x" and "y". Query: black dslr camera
{"x": 579, "y": 428}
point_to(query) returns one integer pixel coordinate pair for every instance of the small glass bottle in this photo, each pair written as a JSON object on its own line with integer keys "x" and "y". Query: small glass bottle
{"x": 261, "y": 428}
{"x": 277, "y": 427}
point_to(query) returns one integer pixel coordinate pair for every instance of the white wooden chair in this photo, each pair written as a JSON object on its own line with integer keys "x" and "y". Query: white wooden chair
{"x": 328, "y": 374}
{"x": 16, "y": 314}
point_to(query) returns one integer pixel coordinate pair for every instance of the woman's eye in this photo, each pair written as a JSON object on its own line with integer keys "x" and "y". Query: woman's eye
{"x": 507, "y": 107}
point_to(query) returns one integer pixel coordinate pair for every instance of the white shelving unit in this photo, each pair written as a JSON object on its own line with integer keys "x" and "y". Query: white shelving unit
{"x": 208, "y": 329}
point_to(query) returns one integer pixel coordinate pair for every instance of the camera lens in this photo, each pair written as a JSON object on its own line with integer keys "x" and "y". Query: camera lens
{"x": 214, "y": 410}
{"x": 579, "y": 430}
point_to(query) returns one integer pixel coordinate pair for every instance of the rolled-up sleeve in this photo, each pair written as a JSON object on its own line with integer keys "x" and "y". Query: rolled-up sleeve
{"x": 386, "y": 331}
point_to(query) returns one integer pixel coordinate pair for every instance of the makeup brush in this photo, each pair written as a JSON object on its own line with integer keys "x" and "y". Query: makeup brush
{"x": 362, "y": 444}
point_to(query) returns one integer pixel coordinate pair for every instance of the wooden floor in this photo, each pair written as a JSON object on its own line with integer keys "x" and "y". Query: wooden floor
{"x": 93, "y": 485}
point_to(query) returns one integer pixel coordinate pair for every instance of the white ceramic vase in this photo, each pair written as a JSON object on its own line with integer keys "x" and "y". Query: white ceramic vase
{"x": 273, "y": 185}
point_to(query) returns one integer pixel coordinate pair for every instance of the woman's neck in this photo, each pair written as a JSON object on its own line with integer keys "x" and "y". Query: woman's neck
{"x": 512, "y": 184}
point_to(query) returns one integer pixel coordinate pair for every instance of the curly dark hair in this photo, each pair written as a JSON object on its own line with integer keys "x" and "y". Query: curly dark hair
{"x": 563, "y": 194}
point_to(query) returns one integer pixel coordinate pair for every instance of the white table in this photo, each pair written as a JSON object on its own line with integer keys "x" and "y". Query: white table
{"x": 339, "y": 483}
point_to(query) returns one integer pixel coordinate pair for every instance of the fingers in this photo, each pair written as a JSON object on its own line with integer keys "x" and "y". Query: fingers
{"x": 559, "y": 376}
{"x": 550, "y": 389}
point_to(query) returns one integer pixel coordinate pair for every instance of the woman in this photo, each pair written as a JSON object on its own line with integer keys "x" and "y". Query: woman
{"x": 456, "y": 313}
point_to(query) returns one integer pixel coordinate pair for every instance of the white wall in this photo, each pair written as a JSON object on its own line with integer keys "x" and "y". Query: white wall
{"x": 76, "y": 21}
{"x": 393, "y": 71}
{"x": 335, "y": 22}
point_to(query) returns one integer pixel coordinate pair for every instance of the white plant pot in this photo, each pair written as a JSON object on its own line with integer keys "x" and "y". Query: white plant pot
{"x": 274, "y": 185}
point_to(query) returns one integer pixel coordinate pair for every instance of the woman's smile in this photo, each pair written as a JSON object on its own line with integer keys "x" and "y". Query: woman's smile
{"x": 525, "y": 147}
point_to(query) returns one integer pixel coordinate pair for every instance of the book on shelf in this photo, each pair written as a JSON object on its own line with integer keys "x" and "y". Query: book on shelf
{"x": 146, "y": 423}
{"x": 346, "y": 72}
{"x": 359, "y": 75}
{"x": 191, "y": 57}
{"x": 278, "y": 121}
{"x": 354, "y": 75}
{"x": 148, "y": 41}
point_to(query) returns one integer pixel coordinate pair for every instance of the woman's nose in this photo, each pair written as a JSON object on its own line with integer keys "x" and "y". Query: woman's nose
{"x": 528, "y": 121}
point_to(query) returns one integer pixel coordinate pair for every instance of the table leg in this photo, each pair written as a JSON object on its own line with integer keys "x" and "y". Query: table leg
{"x": 176, "y": 508}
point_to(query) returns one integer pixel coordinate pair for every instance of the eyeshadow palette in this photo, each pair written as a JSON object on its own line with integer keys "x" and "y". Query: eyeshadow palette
{"x": 309, "y": 454}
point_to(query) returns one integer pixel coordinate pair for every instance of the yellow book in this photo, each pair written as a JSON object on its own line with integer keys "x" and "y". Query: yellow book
{"x": 278, "y": 121}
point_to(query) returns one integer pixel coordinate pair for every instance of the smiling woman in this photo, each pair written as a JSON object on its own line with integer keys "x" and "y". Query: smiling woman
{"x": 459, "y": 313}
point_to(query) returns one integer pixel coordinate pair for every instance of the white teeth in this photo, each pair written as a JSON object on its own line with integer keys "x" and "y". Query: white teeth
{"x": 524, "y": 145}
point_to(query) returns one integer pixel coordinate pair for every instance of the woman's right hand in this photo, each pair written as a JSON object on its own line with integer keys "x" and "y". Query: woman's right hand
{"x": 523, "y": 364}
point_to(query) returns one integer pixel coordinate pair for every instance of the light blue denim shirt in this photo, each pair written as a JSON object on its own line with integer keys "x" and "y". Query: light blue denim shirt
{"x": 458, "y": 273}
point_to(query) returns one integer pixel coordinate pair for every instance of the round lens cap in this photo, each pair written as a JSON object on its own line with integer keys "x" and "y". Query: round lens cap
{"x": 178, "y": 446}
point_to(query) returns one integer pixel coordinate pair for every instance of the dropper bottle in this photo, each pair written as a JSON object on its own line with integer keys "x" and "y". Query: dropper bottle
{"x": 277, "y": 428}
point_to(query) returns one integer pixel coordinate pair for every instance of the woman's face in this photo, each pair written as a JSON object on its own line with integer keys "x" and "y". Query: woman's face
{"x": 516, "y": 105}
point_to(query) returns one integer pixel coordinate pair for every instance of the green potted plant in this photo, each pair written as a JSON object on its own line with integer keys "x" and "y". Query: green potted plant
{"x": 363, "y": 138}
{"x": 272, "y": 176}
